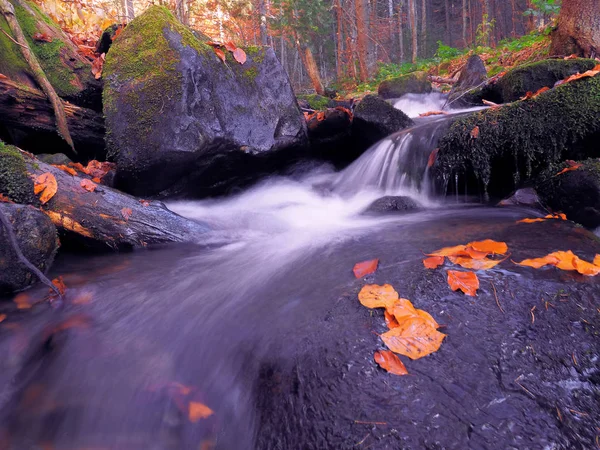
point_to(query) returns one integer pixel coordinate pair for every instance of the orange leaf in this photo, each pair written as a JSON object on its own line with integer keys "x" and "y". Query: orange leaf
{"x": 527, "y": 96}
{"x": 375, "y": 296}
{"x": 541, "y": 91}
{"x": 97, "y": 66}
{"x": 64, "y": 168}
{"x": 539, "y": 219}
{"x": 414, "y": 338}
{"x": 390, "y": 320}
{"x": 585, "y": 268}
{"x": 198, "y": 411}
{"x": 597, "y": 260}
{"x": 230, "y": 46}
{"x": 465, "y": 281}
{"x": 536, "y": 263}
{"x": 239, "y": 55}
{"x": 2, "y": 317}
{"x": 489, "y": 246}
{"x": 365, "y": 268}
{"x": 475, "y": 132}
{"x": 60, "y": 285}
{"x": 220, "y": 54}
{"x": 88, "y": 185}
{"x": 97, "y": 169}
{"x": 390, "y": 362}
{"x": 144, "y": 203}
{"x": 23, "y": 301}
{"x": 432, "y": 157}
{"x": 403, "y": 310}
{"x": 568, "y": 169}
{"x": 449, "y": 251}
{"x": 433, "y": 262}
{"x": 126, "y": 213}
{"x": 96, "y": 180}
{"x": 475, "y": 264}
{"x": 46, "y": 185}
{"x": 77, "y": 166}
{"x": 565, "y": 260}
{"x": 571, "y": 56}
{"x": 5, "y": 199}
{"x": 41, "y": 37}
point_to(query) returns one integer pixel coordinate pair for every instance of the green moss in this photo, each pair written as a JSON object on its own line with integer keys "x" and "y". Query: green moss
{"x": 11, "y": 61}
{"x": 14, "y": 181}
{"x": 516, "y": 142}
{"x": 415, "y": 82}
{"x": 251, "y": 73}
{"x": 316, "y": 101}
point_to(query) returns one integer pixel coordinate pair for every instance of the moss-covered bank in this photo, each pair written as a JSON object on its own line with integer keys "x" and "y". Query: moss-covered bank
{"x": 15, "y": 183}
{"x": 412, "y": 83}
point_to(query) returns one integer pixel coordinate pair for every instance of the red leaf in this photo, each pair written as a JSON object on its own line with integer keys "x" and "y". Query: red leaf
{"x": 432, "y": 157}
{"x": 88, "y": 185}
{"x": 42, "y": 37}
{"x": 389, "y": 361}
{"x": 239, "y": 55}
{"x": 97, "y": 66}
{"x": 365, "y": 268}
{"x": 465, "y": 281}
{"x": 475, "y": 132}
{"x": 433, "y": 262}
{"x": 126, "y": 213}
{"x": 220, "y": 54}
{"x": 230, "y": 46}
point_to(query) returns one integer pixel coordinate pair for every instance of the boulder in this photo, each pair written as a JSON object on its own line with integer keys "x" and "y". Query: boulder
{"x": 329, "y": 135}
{"x": 375, "y": 119}
{"x": 320, "y": 102}
{"x": 498, "y": 150}
{"x": 54, "y": 158}
{"x": 575, "y": 193}
{"x": 15, "y": 182}
{"x": 473, "y": 75}
{"x": 412, "y": 83}
{"x": 180, "y": 120}
{"x": 389, "y": 204}
{"x": 37, "y": 239}
{"x": 522, "y": 197}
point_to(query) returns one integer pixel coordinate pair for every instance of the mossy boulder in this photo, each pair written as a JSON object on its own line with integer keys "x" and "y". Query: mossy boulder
{"x": 575, "y": 193}
{"x": 15, "y": 183}
{"x": 374, "y": 119}
{"x": 532, "y": 77}
{"x": 37, "y": 239}
{"x": 500, "y": 149}
{"x": 180, "y": 120}
{"x": 412, "y": 83}
{"x": 316, "y": 101}
{"x": 67, "y": 70}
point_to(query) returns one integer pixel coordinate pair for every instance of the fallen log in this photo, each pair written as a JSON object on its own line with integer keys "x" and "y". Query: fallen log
{"x": 437, "y": 79}
{"x": 99, "y": 216}
{"x": 27, "y": 110}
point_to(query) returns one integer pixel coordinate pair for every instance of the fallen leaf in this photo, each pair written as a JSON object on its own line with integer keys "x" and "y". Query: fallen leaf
{"x": 69, "y": 170}
{"x": 597, "y": 260}
{"x": 432, "y": 157}
{"x": 449, "y": 251}
{"x": 88, "y": 185}
{"x": 41, "y": 37}
{"x": 365, "y": 268}
{"x": 543, "y": 219}
{"x": 96, "y": 180}
{"x": 539, "y": 219}
{"x": 475, "y": 132}
{"x": 390, "y": 320}
{"x": 537, "y": 263}
{"x": 389, "y": 361}
{"x": 230, "y": 46}
{"x": 145, "y": 203}
{"x": 60, "y": 285}
{"x": 527, "y": 96}
{"x": 433, "y": 262}
{"x": 198, "y": 411}
{"x": 77, "y": 166}
{"x": 571, "y": 167}
{"x": 585, "y": 268}
{"x": 541, "y": 91}
{"x": 126, "y": 213}
{"x": 214, "y": 44}
{"x": 489, "y": 246}
{"x": 97, "y": 169}
{"x": 465, "y": 281}
{"x": 414, "y": 338}
{"x": 475, "y": 264}
{"x": 571, "y": 56}
{"x": 23, "y": 301}
{"x": 97, "y": 66}
{"x": 565, "y": 260}
{"x": 220, "y": 54}
{"x": 46, "y": 185}
{"x": 2, "y": 317}
{"x": 239, "y": 55}
{"x": 402, "y": 309}
{"x": 5, "y": 199}
{"x": 375, "y": 296}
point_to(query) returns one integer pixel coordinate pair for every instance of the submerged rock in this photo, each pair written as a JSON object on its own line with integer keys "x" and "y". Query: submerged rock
{"x": 180, "y": 120}
{"x": 391, "y": 203}
{"x": 374, "y": 119}
{"x": 37, "y": 239}
{"x": 412, "y": 83}
{"x": 575, "y": 193}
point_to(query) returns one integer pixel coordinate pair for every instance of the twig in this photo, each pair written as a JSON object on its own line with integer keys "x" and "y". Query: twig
{"x": 363, "y": 440}
{"x": 496, "y": 296}
{"x": 369, "y": 423}
{"x": 15, "y": 245}
{"x": 11, "y": 38}
{"x": 532, "y": 314}
{"x": 523, "y": 387}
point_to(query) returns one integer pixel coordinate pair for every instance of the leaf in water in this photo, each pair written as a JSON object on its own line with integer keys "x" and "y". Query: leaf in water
{"x": 465, "y": 281}
{"x": 239, "y": 55}
{"x": 403, "y": 310}
{"x": 449, "y": 251}
{"x": 60, "y": 285}
{"x": 475, "y": 132}
{"x": 389, "y": 361}
{"x": 536, "y": 263}
{"x": 365, "y": 268}
{"x": 23, "y": 301}
{"x": 390, "y": 320}
{"x": 230, "y": 46}
{"x": 375, "y": 296}
{"x": 198, "y": 411}
{"x": 64, "y": 168}
{"x": 475, "y": 264}
{"x": 433, "y": 262}
{"x": 432, "y": 157}
{"x": 88, "y": 185}
{"x": 126, "y": 213}
{"x": 46, "y": 185}
{"x": 489, "y": 246}
{"x": 220, "y": 54}
{"x": 414, "y": 338}
{"x": 597, "y": 260}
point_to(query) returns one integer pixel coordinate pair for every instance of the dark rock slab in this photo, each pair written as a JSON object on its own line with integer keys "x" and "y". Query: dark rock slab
{"x": 391, "y": 204}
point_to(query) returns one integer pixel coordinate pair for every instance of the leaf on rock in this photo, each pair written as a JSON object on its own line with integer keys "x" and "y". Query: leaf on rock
{"x": 126, "y": 213}
{"x": 220, "y": 53}
{"x": 375, "y": 296}
{"x": 465, "y": 281}
{"x": 5, "y": 199}
{"x": 78, "y": 166}
{"x": 389, "y": 361}
{"x": 414, "y": 338}
{"x": 489, "y": 246}
{"x": 64, "y": 168}
{"x": 560, "y": 216}
{"x": 433, "y": 262}
{"x": 230, "y": 46}
{"x": 449, "y": 251}
{"x": 46, "y": 185}
{"x": 564, "y": 260}
{"x": 390, "y": 320}
{"x": 88, "y": 185}
{"x": 432, "y": 157}
{"x": 537, "y": 263}
{"x": 97, "y": 169}
{"x": 239, "y": 55}
{"x": 144, "y": 203}
{"x": 597, "y": 260}
{"x": 586, "y": 268}
{"x": 475, "y": 264}
{"x": 60, "y": 285}
{"x": 475, "y": 132}
{"x": 572, "y": 166}
{"x": 198, "y": 411}
{"x": 365, "y": 268}
{"x": 541, "y": 91}
{"x": 404, "y": 310}
{"x": 539, "y": 219}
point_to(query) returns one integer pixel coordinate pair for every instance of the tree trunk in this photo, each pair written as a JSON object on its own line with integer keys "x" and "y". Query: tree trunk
{"x": 578, "y": 29}
{"x": 362, "y": 40}
{"x": 400, "y": 30}
{"x": 464, "y": 22}
{"x": 308, "y": 60}
{"x": 262, "y": 12}
{"x": 448, "y": 25}
{"x": 339, "y": 40}
{"x": 424, "y": 28}
{"x": 131, "y": 11}
{"x": 412, "y": 18}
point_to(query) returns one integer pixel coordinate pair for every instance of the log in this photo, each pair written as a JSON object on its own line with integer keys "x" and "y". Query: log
{"x": 437, "y": 79}
{"x": 28, "y": 110}
{"x": 107, "y": 217}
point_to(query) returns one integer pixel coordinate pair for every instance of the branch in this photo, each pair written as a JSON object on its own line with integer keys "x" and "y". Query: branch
{"x": 7, "y": 9}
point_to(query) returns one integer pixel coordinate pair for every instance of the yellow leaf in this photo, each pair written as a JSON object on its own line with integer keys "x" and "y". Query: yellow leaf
{"x": 198, "y": 411}
{"x": 375, "y": 296}
{"x": 414, "y": 338}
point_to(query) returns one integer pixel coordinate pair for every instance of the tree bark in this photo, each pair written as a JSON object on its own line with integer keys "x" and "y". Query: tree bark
{"x": 464, "y": 22}
{"x": 28, "y": 110}
{"x": 424, "y": 28}
{"x": 578, "y": 29}
{"x": 401, "y": 30}
{"x": 362, "y": 40}
{"x": 339, "y": 66}
{"x": 309, "y": 63}
{"x": 412, "y": 18}
{"x": 448, "y": 24}
{"x": 262, "y": 12}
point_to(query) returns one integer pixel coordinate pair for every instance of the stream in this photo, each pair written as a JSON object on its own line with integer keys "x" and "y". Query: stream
{"x": 259, "y": 321}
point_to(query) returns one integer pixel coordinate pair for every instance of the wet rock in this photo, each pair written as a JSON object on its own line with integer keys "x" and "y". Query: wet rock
{"x": 501, "y": 149}
{"x": 179, "y": 120}
{"x": 391, "y": 203}
{"x": 37, "y": 239}
{"x": 106, "y": 39}
{"x": 329, "y": 135}
{"x": 532, "y": 77}
{"x": 57, "y": 158}
{"x": 15, "y": 183}
{"x": 374, "y": 119}
{"x": 320, "y": 102}
{"x": 412, "y": 83}
{"x": 522, "y": 197}
{"x": 473, "y": 75}
{"x": 575, "y": 193}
